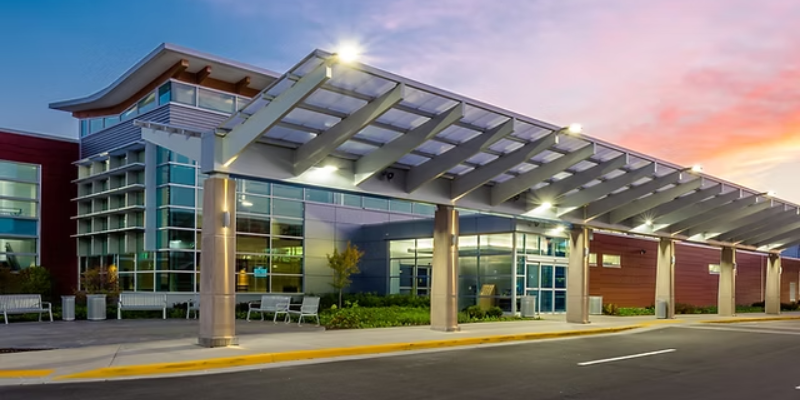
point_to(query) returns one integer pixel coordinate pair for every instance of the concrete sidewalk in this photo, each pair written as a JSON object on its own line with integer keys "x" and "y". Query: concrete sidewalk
{"x": 181, "y": 355}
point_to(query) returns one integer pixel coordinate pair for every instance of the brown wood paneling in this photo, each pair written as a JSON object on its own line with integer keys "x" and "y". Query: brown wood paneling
{"x": 791, "y": 273}
{"x": 749, "y": 278}
{"x": 632, "y": 285}
{"x": 55, "y": 157}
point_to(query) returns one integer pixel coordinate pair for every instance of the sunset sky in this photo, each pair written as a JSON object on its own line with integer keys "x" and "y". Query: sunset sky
{"x": 691, "y": 81}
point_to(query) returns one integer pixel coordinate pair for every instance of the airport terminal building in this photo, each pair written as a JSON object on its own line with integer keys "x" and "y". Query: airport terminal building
{"x": 143, "y": 163}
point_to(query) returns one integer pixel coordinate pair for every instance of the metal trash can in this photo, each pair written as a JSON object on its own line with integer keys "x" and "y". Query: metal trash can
{"x": 662, "y": 309}
{"x": 96, "y": 307}
{"x": 68, "y": 308}
{"x": 528, "y": 307}
{"x": 595, "y": 305}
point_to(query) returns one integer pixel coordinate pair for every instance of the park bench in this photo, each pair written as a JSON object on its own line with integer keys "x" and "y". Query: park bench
{"x": 270, "y": 304}
{"x": 142, "y": 302}
{"x": 24, "y": 304}
{"x": 309, "y": 308}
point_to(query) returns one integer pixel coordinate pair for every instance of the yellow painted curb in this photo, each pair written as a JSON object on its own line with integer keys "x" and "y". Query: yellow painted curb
{"x": 270, "y": 358}
{"x": 25, "y": 373}
{"x": 754, "y": 319}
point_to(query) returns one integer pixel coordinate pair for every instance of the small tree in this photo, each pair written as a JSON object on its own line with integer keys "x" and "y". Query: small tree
{"x": 344, "y": 264}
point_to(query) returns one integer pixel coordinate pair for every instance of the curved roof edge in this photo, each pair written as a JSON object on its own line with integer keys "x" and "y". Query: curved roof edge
{"x": 148, "y": 69}
{"x": 46, "y": 136}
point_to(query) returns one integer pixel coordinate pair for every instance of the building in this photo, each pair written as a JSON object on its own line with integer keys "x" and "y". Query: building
{"x": 36, "y": 193}
{"x": 139, "y": 207}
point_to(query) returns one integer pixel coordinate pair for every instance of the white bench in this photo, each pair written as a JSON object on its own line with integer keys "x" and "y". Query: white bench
{"x": 142, "y": 302}
{"x": 24, "y": 304}
{"x": 309, "y": 308}
{"x": 270, "y": 304}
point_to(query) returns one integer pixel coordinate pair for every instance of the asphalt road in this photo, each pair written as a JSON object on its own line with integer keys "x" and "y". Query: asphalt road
{"x": 720, "y": 362}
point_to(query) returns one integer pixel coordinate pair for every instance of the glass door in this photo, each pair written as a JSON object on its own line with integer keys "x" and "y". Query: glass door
{"x": 548, "y": 282}
{"x": 423, "y": 279}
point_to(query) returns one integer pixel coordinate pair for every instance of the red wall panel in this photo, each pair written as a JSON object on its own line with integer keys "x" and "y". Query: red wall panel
{"x": 57, "y": 248}
{"x": 791, "y": 273}
{"x": 633, "y": 285}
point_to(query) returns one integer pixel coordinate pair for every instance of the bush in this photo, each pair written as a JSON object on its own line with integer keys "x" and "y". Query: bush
{"x": 475, "y": 312}
{"x": 37, "y": 280}
{"x": 360, "y": 318}
{"x": 610, "y": 309}
{"x": 633, "y": 311}
{"x": 494, "y": 312}
{"x": 372, "y": 300}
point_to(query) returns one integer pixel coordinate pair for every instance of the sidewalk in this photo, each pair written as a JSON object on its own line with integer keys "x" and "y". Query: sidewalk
{"x": 181, "y": 355}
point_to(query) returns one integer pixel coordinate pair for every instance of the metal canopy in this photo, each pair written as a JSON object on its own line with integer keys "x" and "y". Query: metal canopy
{"x": 351, "y": 127}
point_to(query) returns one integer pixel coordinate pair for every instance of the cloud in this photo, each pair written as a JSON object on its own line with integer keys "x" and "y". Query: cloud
{"x": 690, "y": 81}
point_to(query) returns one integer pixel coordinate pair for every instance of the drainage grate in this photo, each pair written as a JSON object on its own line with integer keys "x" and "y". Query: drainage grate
{"x": 7, "y": 351}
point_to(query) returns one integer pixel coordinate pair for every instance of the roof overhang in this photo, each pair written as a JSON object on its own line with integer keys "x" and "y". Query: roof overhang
{"x": 352, "y": 127}
{"x": 156, "y": 63}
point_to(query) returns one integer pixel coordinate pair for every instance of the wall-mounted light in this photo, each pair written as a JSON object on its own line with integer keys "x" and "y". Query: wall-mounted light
{"x": 226, "y": 219}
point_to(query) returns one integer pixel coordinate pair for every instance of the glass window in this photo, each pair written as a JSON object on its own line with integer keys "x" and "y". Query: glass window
{"x": 129, "y": 113}
{"x": 84, "y": 127}
{"x": 148, "y": 103}
{"x": 165, "y": 93}
{"x": 533, "y": 275}
{"x": 287, "y": 265}
{"x": 252, "y": 224}
{"x": 560, "y": 302}
{"x": 127, "y": 262}
{"x": 593, "y": 259}
{"x": 176, "y": 217}
{"x": 287, "y": 227}
{"x": 400, "y": 206}
{"x": 286, "y": 284}
{"x": 425, "y": 247}
{"x": 376, "y": 204}
{"x": 252, "y": 244}
{"x": 241, "y": 102}
{"x": 144, "y": 261}
{"x": 467, "y": 245}
{"x": 12, "y": 226}
{"x": 253, "y": 205}
{"x": 501, "y": 243}
{"x": 179, "y": 260}
{"x": 248, "y": 263}
{"x": 351, "y": 200}
{"x": 424, "y": 209}
{"x": 111, "y": 121}
{"x": 95, "y": 125}
{"x": 289, "y": 192}
{"x": 145, "y": 282}
{"x": 19, "y": 172}
{"x": 468, "y": 266}
{"x": 17, "y": 208}
{"x": 254, "y": 187}
{"x": 174, "y": 282}
{"x": 126, "y": 281}
{"x": 532, "y": 244}
{"x": 496, "y": 265}
{"x": 612, "y": 261}
{"x": 547, "y": 276}
{"x": 16, "y": 262}
{"x": 402, "y": 248}
{"x": 288, "y": 247}
{"x": 561, "y": 278}
{"x": 216, "y": 101}
{"x": 183, "y": 94}
{"x": 713, "y": 269}
{"x": 176, "y": 196}
{"x": 320, "y": 196}
{"x": 287, "y": 208}
{"x": 176, "y": 174}
{"x": 176, "y": 239}
{"x": 17, "y": 245}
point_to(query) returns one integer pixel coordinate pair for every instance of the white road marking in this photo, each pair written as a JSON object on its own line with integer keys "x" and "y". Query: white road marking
{"x": 652, "y": 353}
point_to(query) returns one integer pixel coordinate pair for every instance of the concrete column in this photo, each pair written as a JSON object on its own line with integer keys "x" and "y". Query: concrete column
{"x": 726, "y": 295}
{"x": 444, "y": 282}
{"x": 578, "y": 276}
{"x": 218, "y": 259}
{"x": 665, "y": 274}
{"x": 772, "y": 291}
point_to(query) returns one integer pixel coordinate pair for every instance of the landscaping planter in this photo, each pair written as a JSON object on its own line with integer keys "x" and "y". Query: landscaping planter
{"x": 96, "y": 307}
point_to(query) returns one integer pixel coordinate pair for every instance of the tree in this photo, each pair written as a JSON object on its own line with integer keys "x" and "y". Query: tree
{"x": 344, "y": 264}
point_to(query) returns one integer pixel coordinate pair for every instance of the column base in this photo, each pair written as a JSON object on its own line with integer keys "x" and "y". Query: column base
{"x": 218, "y": 342}
{"x": 446, "y": 328}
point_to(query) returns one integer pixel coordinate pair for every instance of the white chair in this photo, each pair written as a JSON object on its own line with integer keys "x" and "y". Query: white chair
{"x": 309, "y": 308}
{"x": 193, "y": 304}
{"x": 270, "y": 304}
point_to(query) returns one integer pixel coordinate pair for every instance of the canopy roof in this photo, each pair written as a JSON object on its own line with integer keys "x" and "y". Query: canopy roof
{"x": 391, "y": 136}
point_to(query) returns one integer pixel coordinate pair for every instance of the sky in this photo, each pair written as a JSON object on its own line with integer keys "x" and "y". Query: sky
{"x": 711, "y": 82}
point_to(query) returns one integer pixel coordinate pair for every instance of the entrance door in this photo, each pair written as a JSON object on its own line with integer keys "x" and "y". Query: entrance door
{"x": 423, "y": 281}
{"x": 548, "y": 282}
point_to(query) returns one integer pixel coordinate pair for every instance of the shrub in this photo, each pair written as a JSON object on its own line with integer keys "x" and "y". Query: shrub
{"x": 683, "y": 308}
{"x": 36, "y": 280}
{"x": 475, "y": 312}
{"x": 371, "y": 300}
{"x": 632, "y": 311}
{"x": 494, "y": 312}
{"x": 610, "y": 309}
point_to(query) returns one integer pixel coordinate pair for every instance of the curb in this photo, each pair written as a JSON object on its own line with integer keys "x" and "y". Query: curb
{"x": 740, "y": 320}
{"x": 25, "y": 373}
{"x": 271, "y": 358}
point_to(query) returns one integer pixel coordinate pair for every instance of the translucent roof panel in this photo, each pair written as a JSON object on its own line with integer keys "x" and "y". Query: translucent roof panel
{"x": 379, "y": 135}
{"x": 528, "y": 132}
{"x": 502, "y": 178}
{"x": 522, "y": 168}
{"x": 311, "y": 119}
{"x": 540, "y": 185}
{"x": 412, "y": 160}
{"x": 605, "y": 154}
{"x": 434, "y": 147}
{"x": 335, "y": 101}
{"x": 281, "y": 133}
{"x": 613, "y": 174}
{"x": 426, "y": 102}
{"x": 308, "y": 66}
{"x": 357, "y": 148}
{"x": 402, "y": 119}
{"x": 583, "y": 166}
{"x": 482, "y": 158}
{"x": 569, "y": 143}
{"x": 457, "y": 134}
{"x": 482, "y": 118}
{"x": 561, "y": 175}
{"x": 359, "y": 82}
{"x": 546, "y": 156}
{"x": 280, "y": 86}
{"x": 641, "y": 181}
{"x": 505, "y": 146}
{"x": 460, "y": 170}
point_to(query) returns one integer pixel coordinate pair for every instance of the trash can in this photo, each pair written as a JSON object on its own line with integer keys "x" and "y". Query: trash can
{"x": 528, "y": 307}
{"x": 96, "y": 307}
{"x": 662, "y": 307}
{"x": 68, "y": 308}
{"x": 595, "y": 305}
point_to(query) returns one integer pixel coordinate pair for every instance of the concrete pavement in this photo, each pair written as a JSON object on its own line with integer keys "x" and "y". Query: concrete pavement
{"x": 280, "y": 343}
{"x": 676, "y": 362}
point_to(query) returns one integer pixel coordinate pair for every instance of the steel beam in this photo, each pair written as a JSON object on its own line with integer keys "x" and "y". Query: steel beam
{"x": 679, "y": 204}
{"x": 728, "y": 218}
{"x": 771, "y": 236}
{"x": 697, "y": 208}
{"x": 639, "y": 206}
{"x": 615, "y": 201}
{"x": 765, "y": 226}
{"x": 716, "y": 212}
{"x": 558, "y": 189}
{"x": 750, "y": 221}
{"x": 436, "y": 167}
{"x": 588, "y": 195}
{"x": 391, "y": 152}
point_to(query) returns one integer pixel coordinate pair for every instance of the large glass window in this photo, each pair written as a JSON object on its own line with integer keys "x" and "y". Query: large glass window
{"x": 165, "y": 93}
{"x": 184, "y": 94}
{"x": 253, "y": 224}
{"x": 287, "y": 227}
{"x": 176, "y": 239}
{"x": 176, "y": 196}
{"x": 147, "y": 103}
{"x": 176, "y": 217}
{"x": 287, "y": 208}
{"x": 18, "y": 208}
{"x": 179, "y": 174}
{"x": 216, "y": 101}
{"x": 287, "y": 247}
{"x": 19, "y": 227}
{"x": 18, "y": 189}
{"x": 253, "y": 204}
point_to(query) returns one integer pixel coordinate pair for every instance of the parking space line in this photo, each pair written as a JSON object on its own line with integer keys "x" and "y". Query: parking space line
{"x": 607, "y": 360}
